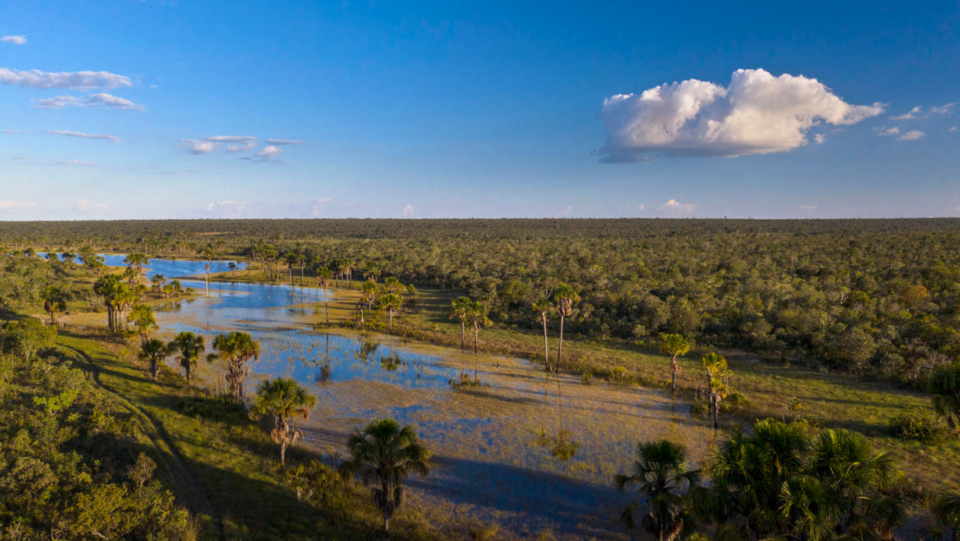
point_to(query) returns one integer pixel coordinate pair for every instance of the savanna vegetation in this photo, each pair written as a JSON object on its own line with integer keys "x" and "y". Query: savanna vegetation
{"x": 869, "y": 307}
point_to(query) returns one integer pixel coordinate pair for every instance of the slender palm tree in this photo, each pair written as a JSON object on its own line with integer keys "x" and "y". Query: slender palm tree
{"x": 188, "y": 347}
{"x": 564, "y": 297}
{"x": 660, "y": 474}
{"x": 143, "y": 318}
{"x": 158, "y": 282}
{"x": 136, "y": 262}
{"x": 383, "y": 454}
{"x": 477, "y": 317}
{"x": 54, "y": 302}
{"x": 716, "y": 366}
{"x": 674, "y": 345}
{"x": 368, "y": 294}
{"x": 391, "y": 303}
{"x": 285, "y": 400}
{"x": 544, "y": 307}
{"x": 461, "y": 307}
{"x": 153, "y": 351}
{"x": 323, "y": 280}
{"x": 237, "y": 349}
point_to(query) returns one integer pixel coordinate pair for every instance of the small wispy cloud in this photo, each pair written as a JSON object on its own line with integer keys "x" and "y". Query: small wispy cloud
{"x": 93, "y": 100}
{"x": 16, "y": 40}
{"x": 408, "y": 210}
{"x": 85, "y": 205}
{"x": 15, "y": 206}
{"x": 82, "y": 135}
{"x": 911, "y": 135}
{"x": 317, "y": 209}
{"x": 226, "y": 207}
{"x": 197, "y": 146}
{"x": 944, "y": 109}
{"x": 279, "y": 142}
{"x": 564, "y": 212}
{"x": 641, "y": 207}
{"x": 819, "y": 138}
{"x": 270, "y": 153}
{"x": 76, "y": 80}
{"x": 75, "y": 162}
{"x": 888, "y": 131}
{"x": 909, "y": 115}
{"x": 953, "y": 128}
{"x": 675, "y": 206}
{"x": 808, "y": 208}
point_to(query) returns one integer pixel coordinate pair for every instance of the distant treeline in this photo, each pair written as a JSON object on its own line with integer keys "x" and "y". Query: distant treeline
{"x": 878, "y": 297}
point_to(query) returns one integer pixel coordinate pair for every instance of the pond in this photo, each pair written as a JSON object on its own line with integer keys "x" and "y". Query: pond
{"x": 527, "y": 451}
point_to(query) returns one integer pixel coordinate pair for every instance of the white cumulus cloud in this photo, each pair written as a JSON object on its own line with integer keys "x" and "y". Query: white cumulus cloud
{"x": 758, "y": 113}
{"x": 93, "y": 100}
{"x": 66, "y": 133}
{"x": 407, "y": 210}
{"x": 944, "y": 109}
{"x": 889, "y": 131}
{"x": 77, "y": 80}
{"x": 196, "y": 146}
{"x": 911, "y": 135}
{"x": 16, "y": 40}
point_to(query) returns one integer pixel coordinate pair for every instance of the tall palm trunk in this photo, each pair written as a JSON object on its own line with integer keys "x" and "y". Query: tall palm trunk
{"x": 476, "y": 337}
{"x": 560, "y": 347}
{"x": 673, "y": 373}
{"x": 546, "y": 345}
{"x": 463, "y": 335}
{"x": 326, "y": 307}
{"x": 386, "y": 514}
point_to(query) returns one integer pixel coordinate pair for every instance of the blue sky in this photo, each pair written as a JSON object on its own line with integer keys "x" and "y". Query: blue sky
{"x": 478, "y": 109}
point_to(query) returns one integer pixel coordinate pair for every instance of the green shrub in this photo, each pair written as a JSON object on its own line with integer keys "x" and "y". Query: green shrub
{"x": 921, "y": 424}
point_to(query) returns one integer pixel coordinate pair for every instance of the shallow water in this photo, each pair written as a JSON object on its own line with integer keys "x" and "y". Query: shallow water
{"x": 500, "y": 450}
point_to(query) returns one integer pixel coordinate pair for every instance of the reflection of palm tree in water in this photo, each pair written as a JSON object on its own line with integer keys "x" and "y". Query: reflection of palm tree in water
{"x": 563, "y": 446}
{"x": 325, "y": 371}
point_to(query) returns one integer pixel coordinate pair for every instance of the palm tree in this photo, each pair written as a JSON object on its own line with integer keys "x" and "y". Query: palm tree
{"x": 285, "y": 400}
{"x": 674, "y": 345}
{"x": 323, "y": 280}
{"x": 157, "y": 282}
{"x": 477, "y": 317}
{"x": 146, "y": 322}
{"x": 391, "y": 303}
{"x": 368, "y": 293}
{"x": 54, "y": 302}
{"x": 461, "y": 307}
{"x": 716, "y": 366}
{"x": 188, "y": 347}
{"x": 206, "y": 278}
{"x": 947, "y": 512}
{"x": 660, "y": 473}
{"x": 136, "y": 262}
{"x": 118, "y": 296}
{"x": 383, "y": 453}
{"x": 544, "y": 307}
{"x": 236, "y": 348}
{"x": 564, "y": 297}
{"x": 153, "y": 351}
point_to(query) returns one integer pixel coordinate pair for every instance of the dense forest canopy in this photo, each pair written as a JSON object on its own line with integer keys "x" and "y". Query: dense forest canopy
{"x": 876, "y": 297}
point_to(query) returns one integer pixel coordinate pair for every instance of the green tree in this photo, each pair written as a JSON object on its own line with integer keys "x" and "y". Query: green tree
{"x": 144, "y": 320}
{"x": 118, "y": 297}
{"x": 188, "y": 347}
{"x": 54, "y": 302}
{"x": 661, "y": 475}
{"x": 674, "y": 345}
{"x": 285, "y": 400}
{"x": 945, "y": 387}
{"x": 391, "y": 304}
{"x": 564, "y": 297}
{"x": 28, "y": 336}
{"x": 383, "y": 454}
{"x": 236, "y": 349}
{"x": 153, "y": 351}
{"x": 477, "y": 318}
{"x": 136, "y": 262}
{"x": 461, "y": 307}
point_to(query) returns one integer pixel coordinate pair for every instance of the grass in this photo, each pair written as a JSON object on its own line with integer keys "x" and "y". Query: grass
{"x": 219, "y": 464}
{"x": 774, "y": 389}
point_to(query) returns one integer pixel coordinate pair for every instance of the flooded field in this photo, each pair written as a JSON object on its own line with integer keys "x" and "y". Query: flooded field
{"x": 523, "y": 450}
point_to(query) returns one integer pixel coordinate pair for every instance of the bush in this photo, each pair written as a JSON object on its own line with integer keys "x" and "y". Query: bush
{"x": 921, "y": 424}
